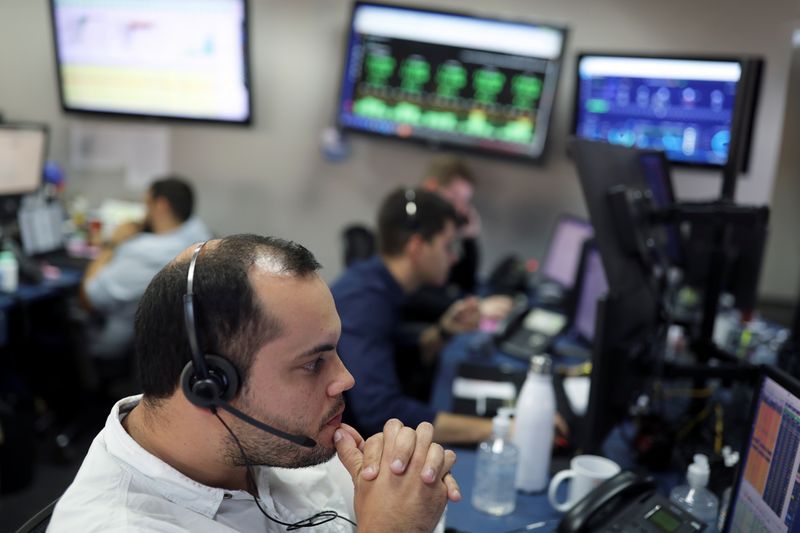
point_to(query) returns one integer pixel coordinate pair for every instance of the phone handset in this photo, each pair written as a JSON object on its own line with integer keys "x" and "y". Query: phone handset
{"x": 604, "y": 502}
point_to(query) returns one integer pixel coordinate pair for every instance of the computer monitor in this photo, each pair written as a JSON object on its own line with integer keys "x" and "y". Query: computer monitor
{"x": 561, "y": 261}
{"x": 184, "y": 59}
{"x": 657, "y": 173}
{"x": 593, "y": 286}
{"x": 624, "y": 332}
{"x": 766, "y": 494}
{"x": 682, "y": 105}
{"x": 605, "y": 169}
{"x": 23, "y": 149}
{"x": 444, "y": 78}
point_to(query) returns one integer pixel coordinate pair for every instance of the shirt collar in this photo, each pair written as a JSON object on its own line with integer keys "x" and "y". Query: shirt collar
{"x": 160, "y": 477}
{"x": 395, "y": 289}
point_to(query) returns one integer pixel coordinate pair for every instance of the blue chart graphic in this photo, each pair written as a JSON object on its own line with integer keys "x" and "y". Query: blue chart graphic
{"x": 781, "y": 467}
{"x": 689, "y": 119}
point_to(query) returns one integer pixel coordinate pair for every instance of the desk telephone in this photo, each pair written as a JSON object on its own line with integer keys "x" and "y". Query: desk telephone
{"x": 628, "y": 503}
{"x": 528, "y": 331}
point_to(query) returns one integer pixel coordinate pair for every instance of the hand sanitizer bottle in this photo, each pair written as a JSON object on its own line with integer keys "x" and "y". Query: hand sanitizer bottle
{"x": 496, "y": 468}
{"x": 695, "y": 497}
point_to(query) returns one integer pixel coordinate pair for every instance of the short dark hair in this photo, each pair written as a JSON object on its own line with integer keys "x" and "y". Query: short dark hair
{"x": 445, "y": 169}
{"x": 396, "y": 226}
{"x": 178, "y": 193}
{"x": 231, "y": 320}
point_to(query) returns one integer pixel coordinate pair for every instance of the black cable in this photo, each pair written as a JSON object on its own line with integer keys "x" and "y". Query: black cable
{"x": 318, "y": 519}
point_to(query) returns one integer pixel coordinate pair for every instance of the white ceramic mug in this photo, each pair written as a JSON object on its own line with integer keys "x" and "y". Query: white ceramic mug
{"x": 586, "y": 473}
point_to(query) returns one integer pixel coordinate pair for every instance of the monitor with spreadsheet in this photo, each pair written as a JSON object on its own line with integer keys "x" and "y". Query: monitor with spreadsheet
{"x": 767, "y": 491}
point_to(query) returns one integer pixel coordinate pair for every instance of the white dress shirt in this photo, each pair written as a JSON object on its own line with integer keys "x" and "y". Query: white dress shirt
{"x": 122, "y": 487}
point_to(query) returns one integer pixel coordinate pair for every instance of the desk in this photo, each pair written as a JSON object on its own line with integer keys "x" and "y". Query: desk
{"x": 464, "y": 517}
{"x": 26, "y": 294}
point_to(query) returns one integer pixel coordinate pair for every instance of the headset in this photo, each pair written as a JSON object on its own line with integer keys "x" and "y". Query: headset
{"x": 210, "y": 381}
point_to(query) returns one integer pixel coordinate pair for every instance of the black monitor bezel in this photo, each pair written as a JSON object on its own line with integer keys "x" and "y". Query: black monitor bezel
{"x": 787, "y": 382}
{"x": 751, "y": 106}
{"x": 436, "y": 144}
{"x": 151, "y": 117}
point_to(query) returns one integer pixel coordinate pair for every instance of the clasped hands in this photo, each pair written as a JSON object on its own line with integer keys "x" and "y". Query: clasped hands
{"x": 402, "y": 478}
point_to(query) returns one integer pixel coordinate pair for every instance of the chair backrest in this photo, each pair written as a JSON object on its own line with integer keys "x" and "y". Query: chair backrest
{"x": 359, "y": 243}
{"x": 38, "y": 522}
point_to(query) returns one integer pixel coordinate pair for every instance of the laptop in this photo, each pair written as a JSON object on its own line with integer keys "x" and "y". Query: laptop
{"x": 766, "y": 493}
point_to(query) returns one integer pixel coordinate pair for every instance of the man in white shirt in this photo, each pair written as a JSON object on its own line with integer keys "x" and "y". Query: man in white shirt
{"x": 200, "y": 450}
{"x": 117, "y": 278}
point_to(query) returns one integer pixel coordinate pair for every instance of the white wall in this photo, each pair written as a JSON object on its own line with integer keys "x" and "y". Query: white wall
{"x": 271, "y": 179}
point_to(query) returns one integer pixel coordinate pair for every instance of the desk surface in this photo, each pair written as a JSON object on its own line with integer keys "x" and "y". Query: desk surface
{"x": 463, "y": 517}
{"x": 68, "y": 279}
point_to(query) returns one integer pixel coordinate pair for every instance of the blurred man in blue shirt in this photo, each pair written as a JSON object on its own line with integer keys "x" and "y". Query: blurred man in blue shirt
{"x": 417, "y": 244}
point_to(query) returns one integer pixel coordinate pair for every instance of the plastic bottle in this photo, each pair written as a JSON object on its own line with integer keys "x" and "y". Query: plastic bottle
{"x": 536, "y": 409}
{"x": 695, "y": 497}
{"x": 496, "y": 469}
{"x": 9, "y": 272}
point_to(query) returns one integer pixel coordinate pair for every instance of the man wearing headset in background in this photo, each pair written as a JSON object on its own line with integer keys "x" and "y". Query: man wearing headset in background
{"x": 200, "y": 450}
{"x": 417, "y": 244}
{"x": 450, "y": 177}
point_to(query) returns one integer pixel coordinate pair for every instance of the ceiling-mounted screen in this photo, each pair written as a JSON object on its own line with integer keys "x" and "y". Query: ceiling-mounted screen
{"x": 683, "y": 106}
{"x": 458, "y": 80}
{"x": 178, "y": 59}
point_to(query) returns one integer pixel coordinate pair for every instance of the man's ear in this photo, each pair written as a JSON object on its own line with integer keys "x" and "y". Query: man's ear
{"x": 414, "y": 246}
{"x": 161, "y": 205}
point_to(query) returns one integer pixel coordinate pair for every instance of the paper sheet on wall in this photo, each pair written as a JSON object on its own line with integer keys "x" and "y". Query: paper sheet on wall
{"x": 141, "y": 152}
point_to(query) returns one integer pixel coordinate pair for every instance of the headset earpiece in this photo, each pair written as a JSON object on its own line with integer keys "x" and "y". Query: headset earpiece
{"x": 221, "y": 385}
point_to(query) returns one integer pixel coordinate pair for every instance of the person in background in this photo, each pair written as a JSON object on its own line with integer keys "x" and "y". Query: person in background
{"x": 417, "y": 244}
{"x": 180, "y": 458}
{"x": 117, "y": 278}
{"x": 450, "y": 177}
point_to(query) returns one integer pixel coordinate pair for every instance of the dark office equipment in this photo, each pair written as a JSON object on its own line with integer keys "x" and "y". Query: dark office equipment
{"x": 617, "y": 196}
{"x": 628, "y": 503}
{"x": 183, "y": 60}
{"x": 624, "y": 338}
{"x": 657, "y": 173}
{"x": 358, "y": 243}
{"x": 451, "y": 79}
{"x": 685, "y": 106}
{"x": 765, "y": 494}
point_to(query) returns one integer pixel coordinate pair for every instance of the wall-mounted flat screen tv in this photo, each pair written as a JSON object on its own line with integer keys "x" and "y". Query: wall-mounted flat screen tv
{"x": 681, "y": 105}
{"x": 177, "y": 59}
{"x": 450, "y": 79}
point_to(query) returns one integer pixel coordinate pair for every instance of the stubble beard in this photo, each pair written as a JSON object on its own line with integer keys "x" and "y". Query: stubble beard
{"x": 263, "y": 449}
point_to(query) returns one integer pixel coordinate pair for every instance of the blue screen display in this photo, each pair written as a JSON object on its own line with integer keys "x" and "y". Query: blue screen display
{"x": 681, "y": 106}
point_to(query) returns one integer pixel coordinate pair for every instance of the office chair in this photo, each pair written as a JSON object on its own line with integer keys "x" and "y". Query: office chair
{"x": 359, "y": 243}
{"x": 38, "y": 522}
